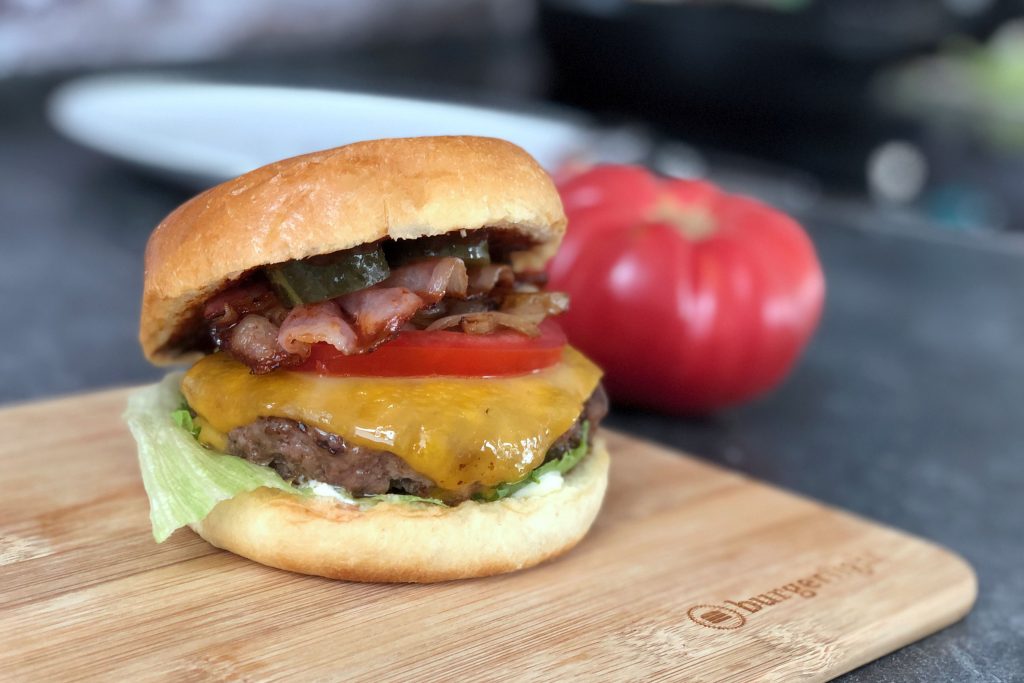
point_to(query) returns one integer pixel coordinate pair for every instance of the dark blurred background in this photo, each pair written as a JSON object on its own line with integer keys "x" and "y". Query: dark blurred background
{"x": 892, "y": 129}
{"x": 918, "y": 104}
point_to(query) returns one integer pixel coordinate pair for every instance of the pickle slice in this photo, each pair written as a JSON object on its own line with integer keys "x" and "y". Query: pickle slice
{"x": 324, "y": 277}
{"x": 471, "y": 248}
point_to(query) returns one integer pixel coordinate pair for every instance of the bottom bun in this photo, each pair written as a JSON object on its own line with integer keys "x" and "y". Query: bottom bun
{"x": 409, "y": 543}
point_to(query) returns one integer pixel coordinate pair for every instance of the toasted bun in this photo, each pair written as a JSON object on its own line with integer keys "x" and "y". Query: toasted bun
{"x": 324, "y": 202}
{"x": 404, "y": 543}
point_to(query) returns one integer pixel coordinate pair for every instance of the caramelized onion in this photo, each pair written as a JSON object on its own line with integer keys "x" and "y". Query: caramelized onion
{"x": 486, "y": 322}
{"x": 535, "y": 306}
{"x": 483, "y": 279}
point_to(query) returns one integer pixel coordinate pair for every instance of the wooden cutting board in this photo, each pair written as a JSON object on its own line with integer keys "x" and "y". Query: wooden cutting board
{"x": 690, "y": 573}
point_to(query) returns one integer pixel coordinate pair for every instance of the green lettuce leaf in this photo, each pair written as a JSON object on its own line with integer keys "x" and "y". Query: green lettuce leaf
{"x": 183, "y": 480}
{"x": 562, "y": 465}
{"x": 183, "y": 418}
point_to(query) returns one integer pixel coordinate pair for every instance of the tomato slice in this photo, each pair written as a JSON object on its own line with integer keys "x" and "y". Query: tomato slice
{"x": 425, "y": 354}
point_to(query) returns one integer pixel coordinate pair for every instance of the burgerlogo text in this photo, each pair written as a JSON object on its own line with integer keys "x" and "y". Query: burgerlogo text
{"x": 733, "y": 614}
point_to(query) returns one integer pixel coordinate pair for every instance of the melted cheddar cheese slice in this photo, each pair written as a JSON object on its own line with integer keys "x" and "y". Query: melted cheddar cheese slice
{"x": 457, "y": 431}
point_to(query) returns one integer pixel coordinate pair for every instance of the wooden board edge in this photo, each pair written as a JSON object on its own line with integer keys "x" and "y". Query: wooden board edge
{"x": 965, "y": 594}
{"x": 44, "y": 402}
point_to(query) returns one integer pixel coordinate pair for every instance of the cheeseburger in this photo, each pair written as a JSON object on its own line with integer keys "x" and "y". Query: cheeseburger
{"x": 379, "y": 389}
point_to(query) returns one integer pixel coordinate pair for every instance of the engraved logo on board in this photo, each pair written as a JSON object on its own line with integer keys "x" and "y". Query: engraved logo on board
{"x": 732, "y": 614}
{"x": 716, "y": 616}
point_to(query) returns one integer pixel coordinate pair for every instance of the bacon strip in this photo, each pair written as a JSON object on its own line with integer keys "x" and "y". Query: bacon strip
{"x": 535, "y": 306}
{"x": 234, "y": 303}
{"x": 380, "y": 311}
{"x": 433, "y": 279}
{"x": 254, "y": 341}
{"x": 375, "y": 314}
{"x": 314, "y": 323}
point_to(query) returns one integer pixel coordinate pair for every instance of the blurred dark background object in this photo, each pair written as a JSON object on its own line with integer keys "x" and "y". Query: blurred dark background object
{"x": 791, "y": 82}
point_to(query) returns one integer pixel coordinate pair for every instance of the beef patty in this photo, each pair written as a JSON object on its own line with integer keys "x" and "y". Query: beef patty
{"x": 300, "y": 452}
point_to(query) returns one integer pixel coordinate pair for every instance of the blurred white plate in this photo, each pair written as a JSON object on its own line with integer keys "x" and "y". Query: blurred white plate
{"x": 207, "y": 132}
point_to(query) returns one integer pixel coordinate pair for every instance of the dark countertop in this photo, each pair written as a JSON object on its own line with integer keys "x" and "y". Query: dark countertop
{"x": 907, "y": 407}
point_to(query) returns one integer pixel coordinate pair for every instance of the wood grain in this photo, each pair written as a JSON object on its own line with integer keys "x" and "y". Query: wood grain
{"x": 85, "y": 593}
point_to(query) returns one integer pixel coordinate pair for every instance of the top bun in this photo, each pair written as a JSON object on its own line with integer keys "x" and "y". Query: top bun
{"x": 319, "y": 203}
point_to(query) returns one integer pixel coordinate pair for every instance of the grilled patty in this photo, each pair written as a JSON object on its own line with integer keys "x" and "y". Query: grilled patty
{"x": 300, "y": 452}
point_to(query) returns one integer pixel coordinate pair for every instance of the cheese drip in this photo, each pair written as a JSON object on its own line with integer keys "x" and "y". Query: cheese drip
{"x": 457, "y": 431}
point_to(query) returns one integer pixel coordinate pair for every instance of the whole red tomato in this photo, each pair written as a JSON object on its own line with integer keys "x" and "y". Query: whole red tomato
{"x": 691, "y": 299}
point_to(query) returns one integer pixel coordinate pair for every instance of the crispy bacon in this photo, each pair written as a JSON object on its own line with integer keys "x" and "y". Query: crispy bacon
{"x": 225, "y": 313}
{"x": 312, "y": 323}
{"x": 353, "y": 323}
{"x": 253, "y": 341}
{"x": 433, "y": 279}
{"x": 379, "y": 312}
{"x": 234, "y": 303}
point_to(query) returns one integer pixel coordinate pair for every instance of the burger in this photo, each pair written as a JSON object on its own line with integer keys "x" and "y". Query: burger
{"x": 379, "y": 389}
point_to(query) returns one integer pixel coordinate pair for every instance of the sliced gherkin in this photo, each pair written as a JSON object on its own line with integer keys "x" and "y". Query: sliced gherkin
{"x": 324, "y": 277}
{"x": 471, "y": 248}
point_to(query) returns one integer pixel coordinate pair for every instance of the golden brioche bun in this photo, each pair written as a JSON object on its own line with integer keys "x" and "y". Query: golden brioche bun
{"x": 405, "y": 543}
{"x": 319, "y": 203}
